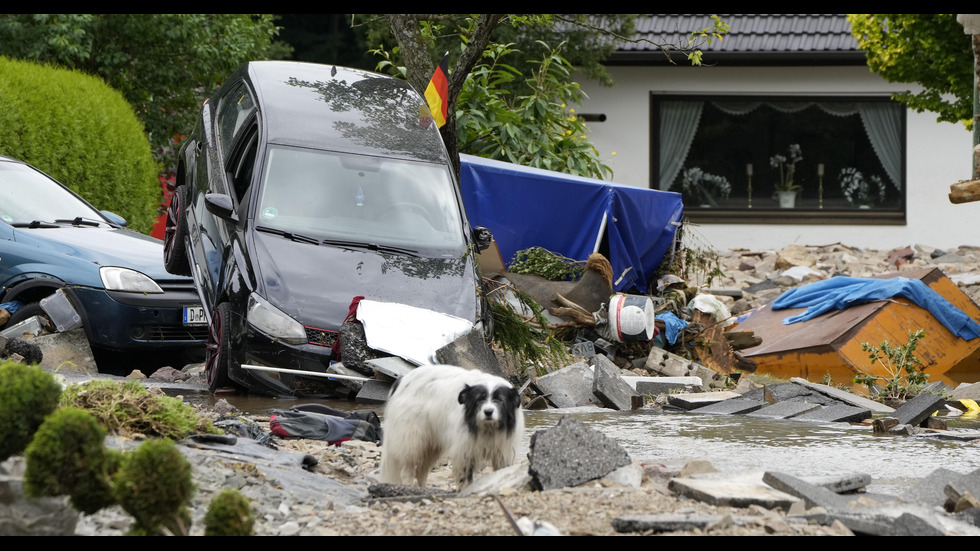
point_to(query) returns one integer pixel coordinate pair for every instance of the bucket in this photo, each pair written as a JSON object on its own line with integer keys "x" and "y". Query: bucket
{"x": 631, "y": 318}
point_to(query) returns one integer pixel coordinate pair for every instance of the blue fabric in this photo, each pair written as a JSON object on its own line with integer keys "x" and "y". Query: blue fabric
{"x": 838, "y": 293}
{"x": 673, "y": 326}
{"x": 11, "y": 307}
{"x": 529, "y": 207}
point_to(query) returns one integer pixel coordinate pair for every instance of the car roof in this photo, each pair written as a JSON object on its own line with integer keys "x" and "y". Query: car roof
{"x": 341, "y": 109}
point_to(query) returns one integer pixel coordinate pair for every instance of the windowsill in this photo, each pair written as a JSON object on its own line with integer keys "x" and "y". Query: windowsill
{"x": 795, "y": 216}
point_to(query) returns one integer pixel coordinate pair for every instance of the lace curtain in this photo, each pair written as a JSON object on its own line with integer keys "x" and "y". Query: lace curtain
{"x": 679, "y": 121}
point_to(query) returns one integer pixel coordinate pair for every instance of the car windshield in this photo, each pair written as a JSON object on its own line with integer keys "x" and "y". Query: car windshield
{"x": 27, "y": 195}
{"x": 360, "y": 199}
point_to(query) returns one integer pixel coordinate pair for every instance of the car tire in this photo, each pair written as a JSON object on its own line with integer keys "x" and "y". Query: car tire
{"x": 175, "y": 234}
{"x": 218, "y": 355}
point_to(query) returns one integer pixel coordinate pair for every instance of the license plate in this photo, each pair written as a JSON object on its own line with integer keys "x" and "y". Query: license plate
{"x": 194, "y": 315}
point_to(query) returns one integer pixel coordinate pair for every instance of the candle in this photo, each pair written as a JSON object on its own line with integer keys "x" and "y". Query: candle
{"x": 820, "y": 169}
{"x": 748, "y": 169}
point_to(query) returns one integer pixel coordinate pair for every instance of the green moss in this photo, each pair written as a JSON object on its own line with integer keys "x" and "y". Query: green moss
{"x": 67, "y": 457}
{"x": 27, "y": 395}
{"x": 83, "y": 133}
{"x": 129, "y": 407}
{"x": 229, "y": 514}
{"x": 155, "y": 486}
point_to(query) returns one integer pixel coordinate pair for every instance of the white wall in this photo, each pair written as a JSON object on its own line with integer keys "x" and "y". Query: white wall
{"x": 938, "y": 154}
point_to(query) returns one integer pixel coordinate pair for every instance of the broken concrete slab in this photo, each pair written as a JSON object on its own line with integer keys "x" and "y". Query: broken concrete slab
{"x": 68, "y": 348}
{"x": 515, "y": 477}
{"x": 669, "y": 364}
{"x": 392, "y": 366}
{"x": 918, "y": 409}
{"x": 374, "y": 391}
{"x": 897, "y": 520}
{"x": 571, "y": 453}
{"x": 784, "y": 410}
{"x": 692, "y": 401}
{"x": 671, "y": 522}
{"x": 844, "y": 396}
{"x": 931, "y": 489}
{"x": 839, "y": 483}
{"x": 470, "y": 351}
{"x": 735, "y": 406}
{"x": 570, "y": 386}
{"x": 732, "y": 490}
{"x": 812, "y": 495}
{"x": 609, "y": 387}
{"x": 836, "y": 413}
{"x": 663, "y": 385}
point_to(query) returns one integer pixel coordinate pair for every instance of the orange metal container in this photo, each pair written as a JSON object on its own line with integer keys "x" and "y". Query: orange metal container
{"x": 829, "y": 346}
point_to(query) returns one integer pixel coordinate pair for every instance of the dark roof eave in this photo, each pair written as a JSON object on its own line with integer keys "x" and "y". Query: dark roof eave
{"x": 658, "y": 58}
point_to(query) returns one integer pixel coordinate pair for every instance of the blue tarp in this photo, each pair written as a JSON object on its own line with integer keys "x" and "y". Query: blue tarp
{"x": 571, "y": 215}
{"x": 840, "y": 292}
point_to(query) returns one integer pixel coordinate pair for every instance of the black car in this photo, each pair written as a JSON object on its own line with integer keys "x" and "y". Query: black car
{"x": 303, "y": 187}
{"x": 53, "y": 243}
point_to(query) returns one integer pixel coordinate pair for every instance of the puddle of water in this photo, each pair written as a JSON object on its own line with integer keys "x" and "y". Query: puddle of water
{"x": 735, "y": 443}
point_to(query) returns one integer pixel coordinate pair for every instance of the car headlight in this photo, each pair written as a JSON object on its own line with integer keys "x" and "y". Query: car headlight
{"x": 128, "y": 281}
{"x": 273, "y": 322}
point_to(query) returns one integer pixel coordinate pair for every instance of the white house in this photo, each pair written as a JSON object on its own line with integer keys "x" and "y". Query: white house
{"x": 774, "y": 82}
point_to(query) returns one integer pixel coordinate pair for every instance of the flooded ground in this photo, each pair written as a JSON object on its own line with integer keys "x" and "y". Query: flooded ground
{"x": 738, "y": 443}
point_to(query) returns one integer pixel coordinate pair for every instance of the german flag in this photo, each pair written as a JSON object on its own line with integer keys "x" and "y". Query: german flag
{"x": 437, "y": 92}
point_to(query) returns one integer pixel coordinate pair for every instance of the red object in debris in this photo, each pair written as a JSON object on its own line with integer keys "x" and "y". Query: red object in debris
{"x": 160, "y": 226}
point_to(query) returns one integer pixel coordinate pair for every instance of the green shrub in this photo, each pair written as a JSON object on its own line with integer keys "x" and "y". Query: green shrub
{"x": 83, "y": 133}
{"x": 229, "y": 514}
{"x": 68, "y": 457}
{"x": 27, "y": 395}
{"x": 155, "y": 486}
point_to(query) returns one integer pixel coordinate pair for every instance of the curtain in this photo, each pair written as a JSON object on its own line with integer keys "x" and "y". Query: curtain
{"x": 679, "y": 123}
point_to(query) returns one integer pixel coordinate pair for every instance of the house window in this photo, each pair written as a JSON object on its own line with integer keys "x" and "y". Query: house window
{"x": 730, "y": 156}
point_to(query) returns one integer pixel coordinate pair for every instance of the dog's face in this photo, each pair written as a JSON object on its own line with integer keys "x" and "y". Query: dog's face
{"x": 489, "y": 409}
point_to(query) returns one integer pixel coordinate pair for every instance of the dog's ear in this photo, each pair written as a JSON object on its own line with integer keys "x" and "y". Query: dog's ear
{"x": 463, "y": 394}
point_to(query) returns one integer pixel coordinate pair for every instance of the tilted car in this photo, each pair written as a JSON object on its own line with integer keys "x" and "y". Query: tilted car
{"x": 113, "y": 277}
{"x": 302, "y": 187}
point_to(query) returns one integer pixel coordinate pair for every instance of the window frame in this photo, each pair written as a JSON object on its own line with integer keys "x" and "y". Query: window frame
{"x": 770, "y": 215}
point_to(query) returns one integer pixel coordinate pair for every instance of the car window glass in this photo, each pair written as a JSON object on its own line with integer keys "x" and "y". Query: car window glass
{"x": 27, "y": 195}
{"x": 243, "y": 164}
{"x": 360, "y": 198}
{"x": 234, "y": 110}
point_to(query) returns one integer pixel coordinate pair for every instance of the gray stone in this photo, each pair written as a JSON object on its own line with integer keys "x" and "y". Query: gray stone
{"x": 696, "y": 400}
{"x": 966, "y": 392}
{"x": 471, "y": 351}
{"x": 354, "y": 384}
{"x": 570, "y": 386}
{"x": 570, "y": 453}
{"x": 374, "y": 391}
{"x": 515, "y": 477}
{"x": 663, "y": 385}
{"x": 667, "y": 522}
{"x": 844, "y": 396}
{"x": 609, "y": 387}
{"x": 392, "y": 366}
{"x": 735, "y": 406}
{"x": 669, "y": 364}
{"x": 840, "y": 483}
{"x": 930, "y": 491}
{"x": 812, "y": 495}
{"x": 836, "y": 413}
{"x": 25, "y": 516}
{"x": 784, "y": 410}
{"x": 918, "y": 409}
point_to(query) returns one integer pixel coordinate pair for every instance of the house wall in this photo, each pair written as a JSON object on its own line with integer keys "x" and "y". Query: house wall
{"x": 938, "y": 154}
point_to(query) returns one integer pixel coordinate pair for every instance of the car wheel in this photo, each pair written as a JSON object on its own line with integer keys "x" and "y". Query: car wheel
{"x": 175, "y": 233}
{"x": 218, "y": 355}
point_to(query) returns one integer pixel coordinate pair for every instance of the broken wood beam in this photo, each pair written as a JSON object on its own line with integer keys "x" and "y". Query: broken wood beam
{"x": 964, "y": 191}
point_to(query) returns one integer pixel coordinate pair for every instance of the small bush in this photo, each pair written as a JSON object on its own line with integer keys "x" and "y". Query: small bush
{"x": 83, "y": 133}
{"x": 27, "y": 395}
{"x": 67, "y": 457}
{"x": 155, "y": 486}
{"x": 229, "y": 514}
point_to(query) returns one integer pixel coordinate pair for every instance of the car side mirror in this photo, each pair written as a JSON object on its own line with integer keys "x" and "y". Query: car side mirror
{"x": 483, "y": 237}
{"x": 114, "y": 218}
{"x": 221, "y": 206}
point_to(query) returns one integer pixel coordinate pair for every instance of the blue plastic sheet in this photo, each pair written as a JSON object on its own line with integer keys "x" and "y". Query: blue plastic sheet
{"x": 569, "y": 215}
{"x": 838, "y": 293}
{"x": 673, "y": 325}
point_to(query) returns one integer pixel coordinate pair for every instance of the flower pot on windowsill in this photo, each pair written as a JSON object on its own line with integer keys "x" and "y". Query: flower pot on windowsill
{"x": 787, "y": 199}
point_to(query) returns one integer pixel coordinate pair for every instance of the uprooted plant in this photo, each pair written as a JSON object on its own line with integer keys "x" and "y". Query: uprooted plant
{"x": 904, "y": 376}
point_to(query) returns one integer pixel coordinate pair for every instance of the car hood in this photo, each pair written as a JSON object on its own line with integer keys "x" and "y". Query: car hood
{"x": 316, "y": 283}
{"x": 101, "y": 246}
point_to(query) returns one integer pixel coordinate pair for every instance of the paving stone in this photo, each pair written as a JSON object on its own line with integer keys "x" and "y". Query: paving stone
{"x": 571, "y": 453}
{"x": 734, "y": 406}
{"x": 374, "y": 391}
{"x": 732, "y": 491}
{"x": 609, "y": 387}
{"x": 699, "y": 399}
{"x": 844, "y": 396}
{"x": 667, "y": 522}
{"x": 918, "y": 408}
{"x": 784, "y": 410}
{"x": 836, "y": 413}
{"x": 839, "y": 483}
{"x": 664, "y": 385}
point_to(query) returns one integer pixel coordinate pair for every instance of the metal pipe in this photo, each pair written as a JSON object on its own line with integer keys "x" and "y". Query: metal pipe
{"x": 305, "y": 373}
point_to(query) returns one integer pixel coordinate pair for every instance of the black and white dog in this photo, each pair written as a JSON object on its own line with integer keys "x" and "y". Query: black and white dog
{"x": 435, "y": 411}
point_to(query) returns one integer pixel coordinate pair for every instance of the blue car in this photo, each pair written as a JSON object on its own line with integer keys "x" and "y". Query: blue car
{"x": 131, "y": 308}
